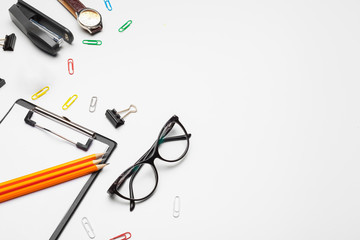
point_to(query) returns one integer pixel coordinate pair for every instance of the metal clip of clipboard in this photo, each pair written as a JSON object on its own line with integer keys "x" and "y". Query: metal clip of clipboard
{"x": 92, "y": 135}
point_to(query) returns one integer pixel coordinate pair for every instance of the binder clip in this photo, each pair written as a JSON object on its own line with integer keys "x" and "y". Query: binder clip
{"x": 115, "y": 118}
{"x": 8, "y": 42}
{"x": 2, "y": 82}
{"x": 44, "y": 32}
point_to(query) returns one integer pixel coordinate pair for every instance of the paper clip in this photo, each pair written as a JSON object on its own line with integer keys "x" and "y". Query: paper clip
{"x": 40, "y": 93}
{"x": 123, "y": 236}
{"x": 176, "y": 212}
{"x": 92, "y": 42}
{"x": 125, "y": 26}
{"x": 89, "y": 230}
{"x": 69, "y": 102}
{"x": 93, "y": 102}
{"x": 71, "y": 66}
{"x": 108, "y": 4}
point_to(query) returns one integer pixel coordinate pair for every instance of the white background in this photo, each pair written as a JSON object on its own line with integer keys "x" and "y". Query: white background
{"x": 268, "y": 89}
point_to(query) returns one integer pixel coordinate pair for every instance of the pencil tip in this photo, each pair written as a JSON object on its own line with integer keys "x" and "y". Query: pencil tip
{"x": 99, "y": 155}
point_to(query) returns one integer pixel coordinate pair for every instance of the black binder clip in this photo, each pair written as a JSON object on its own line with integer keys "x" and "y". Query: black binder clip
{"x": 44, "y": 32}
{"x": 115, "y": 118}
{"x": 2, "y": 82}
{"x": 8, "y": 42}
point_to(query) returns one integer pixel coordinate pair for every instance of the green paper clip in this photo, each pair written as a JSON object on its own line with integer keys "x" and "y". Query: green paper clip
{"x": 125, "y": 26}
{"x": 92, "y": 42}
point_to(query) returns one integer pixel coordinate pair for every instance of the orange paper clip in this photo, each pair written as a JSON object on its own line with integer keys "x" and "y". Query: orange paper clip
{"x": 123, "y": 236}
{"x": 71, "y": 66}
{"x": 69, "y": 102}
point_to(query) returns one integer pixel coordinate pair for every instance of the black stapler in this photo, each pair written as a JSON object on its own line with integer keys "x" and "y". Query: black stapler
{"x": 44, "y": 32}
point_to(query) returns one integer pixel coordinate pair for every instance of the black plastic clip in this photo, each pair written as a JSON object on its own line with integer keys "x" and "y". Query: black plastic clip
{"x": 8, "y": 42}
{"x": 79, "y": 145}
{"x": 2, "y": 82}
{"x": 115, "y": 118}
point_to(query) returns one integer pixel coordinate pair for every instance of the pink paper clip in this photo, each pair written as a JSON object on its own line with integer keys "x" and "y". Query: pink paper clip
{"x": 71, "y": 66}
{"x": 123, "y": 236}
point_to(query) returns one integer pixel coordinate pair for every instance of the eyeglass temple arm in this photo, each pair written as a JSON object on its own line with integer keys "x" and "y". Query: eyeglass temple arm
{"x": 175, "y": 138}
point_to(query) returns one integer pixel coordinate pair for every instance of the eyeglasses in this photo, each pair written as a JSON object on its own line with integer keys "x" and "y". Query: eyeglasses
{"x": 138, "y": 182}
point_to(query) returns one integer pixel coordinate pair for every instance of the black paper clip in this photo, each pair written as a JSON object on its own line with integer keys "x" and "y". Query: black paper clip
{"x": 115, "y": 118}
{"x": 44, "y": 32}
{"x": 8, "y": 42}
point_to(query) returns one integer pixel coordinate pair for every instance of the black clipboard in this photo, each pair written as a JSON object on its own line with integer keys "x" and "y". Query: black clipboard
{"x": 27, "y": 112}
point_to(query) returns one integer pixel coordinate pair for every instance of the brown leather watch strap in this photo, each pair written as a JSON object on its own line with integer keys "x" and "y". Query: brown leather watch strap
{"x": 96, "y": 30}
{"x": 73, "y": 6}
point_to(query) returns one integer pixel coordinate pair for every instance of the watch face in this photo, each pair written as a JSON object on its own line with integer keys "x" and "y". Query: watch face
{"x": 89, "y": 18}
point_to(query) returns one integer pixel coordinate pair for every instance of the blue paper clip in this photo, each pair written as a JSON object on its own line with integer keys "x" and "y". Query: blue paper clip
{"x": 108, "y": 4}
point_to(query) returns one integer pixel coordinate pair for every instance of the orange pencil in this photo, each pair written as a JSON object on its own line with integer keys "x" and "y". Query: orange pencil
{"x": 51, "y": 170}
{"x": 45, "y": 177}
{"x": 50, "y": 183}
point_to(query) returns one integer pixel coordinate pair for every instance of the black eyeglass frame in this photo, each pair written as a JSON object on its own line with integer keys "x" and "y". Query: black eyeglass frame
{"x": 149, "y": 158}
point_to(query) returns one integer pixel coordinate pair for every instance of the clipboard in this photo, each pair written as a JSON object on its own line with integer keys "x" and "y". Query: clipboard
{"x": 26, "y": 148}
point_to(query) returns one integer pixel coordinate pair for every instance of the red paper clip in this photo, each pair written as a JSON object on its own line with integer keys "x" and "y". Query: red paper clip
{"x": 124, "y": 236}
{"x": 71, "y": 66}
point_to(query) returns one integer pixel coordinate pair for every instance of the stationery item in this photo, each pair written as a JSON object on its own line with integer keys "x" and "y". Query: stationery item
{"x": 176, "y": 210}
{"x": 171, "y": 145}
{"x": 115, "y": 118}
{"x": 26, "y": 149}
{"x": 2, "y": 82}
{"x": 108, "y": 4}
{"x": 40, "y": 93}
{"x": 8, "y": 42}
{"x": 87, "y": 226}
{"x": 93, "y": 103}
{"x": 10, "y": 193}
{"x": 69, "y": 102}
{"x": 92, "y": 42}
{"x": 123, "y": 236}
{"x": 70, "y": 66}
{"x": 79, "y": 145}
{"x": 44, "y": 32}
{"x": 89, "y": 19}
{"x": 34, "y": 177}
{"x": 125, "y": 26}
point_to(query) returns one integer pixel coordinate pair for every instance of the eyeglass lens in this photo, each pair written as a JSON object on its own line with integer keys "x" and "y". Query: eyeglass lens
{"x": 172, "y": 142}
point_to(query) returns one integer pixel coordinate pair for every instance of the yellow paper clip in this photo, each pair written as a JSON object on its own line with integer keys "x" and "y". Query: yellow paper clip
{"x": 40, "y": 93}
{"x": 69, "y": 102}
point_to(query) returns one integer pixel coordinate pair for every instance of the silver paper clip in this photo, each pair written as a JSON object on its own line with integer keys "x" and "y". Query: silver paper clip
{"x": 108, "y": 4}
{"x": 86, "y": 224}
{"x": 176, "y": 211}
{"x": 93, "y": 103}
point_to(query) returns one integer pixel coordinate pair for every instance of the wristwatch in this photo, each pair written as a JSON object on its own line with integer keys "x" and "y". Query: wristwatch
{"x": 89, "y": 19}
